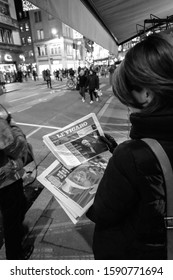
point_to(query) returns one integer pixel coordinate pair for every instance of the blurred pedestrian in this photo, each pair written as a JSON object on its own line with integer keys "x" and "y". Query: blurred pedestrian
{"x": 20, "y": 76}
{"x": 13, "y": 153}
{"x": 48, "y": 78}
{"x": 111, "y": 72}
{"x": 93, "y": 85}
{"x": 34, "y": 73}
{"x": 130, "y": 204}
{"x": 82, "y": 80}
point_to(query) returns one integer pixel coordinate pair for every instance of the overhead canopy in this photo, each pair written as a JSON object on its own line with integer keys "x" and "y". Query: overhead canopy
{"x": 77, "y": 16}
{"x": 107, "y": 21}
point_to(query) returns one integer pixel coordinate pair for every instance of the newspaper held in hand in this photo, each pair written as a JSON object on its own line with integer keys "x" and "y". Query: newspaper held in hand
{"x": 82, "y": 157}
{"x": 75, "y": 189}
{"x": 77, "y": 142}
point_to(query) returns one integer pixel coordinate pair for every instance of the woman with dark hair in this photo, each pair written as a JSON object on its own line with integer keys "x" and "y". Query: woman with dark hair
{"x": 130, "y": 203}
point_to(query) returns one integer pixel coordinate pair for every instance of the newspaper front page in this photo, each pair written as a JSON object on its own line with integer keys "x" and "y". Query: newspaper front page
{"x": 82, "y": 157}
{"x": 78, "y": 142}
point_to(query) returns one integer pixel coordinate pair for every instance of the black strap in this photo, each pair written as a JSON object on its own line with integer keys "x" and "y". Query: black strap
{"x": 168, "y": 176}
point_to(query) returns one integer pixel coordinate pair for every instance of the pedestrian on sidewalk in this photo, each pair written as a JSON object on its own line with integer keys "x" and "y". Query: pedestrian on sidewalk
{"x": 93, "y": 85}
{"x": 48, "y": 78}
{"x": 13, "y": 151}
{"x": 34, "y": 73}
{"x": 82, "y": 80}
{"x": 130, "y": 203}
{"x": 111, "y": 72}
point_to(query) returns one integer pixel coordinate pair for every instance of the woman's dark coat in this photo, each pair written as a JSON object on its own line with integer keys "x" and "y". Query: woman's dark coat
{"x": 130, "y": 203}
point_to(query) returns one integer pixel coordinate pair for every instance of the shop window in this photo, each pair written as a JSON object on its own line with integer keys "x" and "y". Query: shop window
{"x": 37, "y": 16}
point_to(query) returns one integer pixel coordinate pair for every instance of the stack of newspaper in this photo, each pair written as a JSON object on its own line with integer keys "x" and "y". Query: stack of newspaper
{"x": 81, "y": 158}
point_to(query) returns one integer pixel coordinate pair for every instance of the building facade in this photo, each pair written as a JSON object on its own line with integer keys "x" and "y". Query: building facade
{"x": 10, "y": 43}
{"x": 28, "y": 58}
{"x": 56, "y": 45}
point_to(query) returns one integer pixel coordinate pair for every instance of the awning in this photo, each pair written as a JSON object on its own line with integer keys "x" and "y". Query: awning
{"x": 77, "y": 16}
{"x": 124, "y": 17}
{"x": 105, "y": 21}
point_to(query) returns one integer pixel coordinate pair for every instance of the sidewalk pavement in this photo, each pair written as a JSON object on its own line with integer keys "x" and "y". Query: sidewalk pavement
{"x": 52, "y": 232}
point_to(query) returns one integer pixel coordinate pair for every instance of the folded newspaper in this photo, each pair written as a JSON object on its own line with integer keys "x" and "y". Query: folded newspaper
{"x": 81, "y": 158}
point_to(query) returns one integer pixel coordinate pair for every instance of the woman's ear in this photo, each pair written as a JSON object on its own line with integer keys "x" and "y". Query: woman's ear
{"x": 143, "y": 97}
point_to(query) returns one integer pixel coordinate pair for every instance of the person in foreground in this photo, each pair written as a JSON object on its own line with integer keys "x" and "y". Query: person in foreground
{"x": 13, "y": 155}
{"x": 130, "y": 203}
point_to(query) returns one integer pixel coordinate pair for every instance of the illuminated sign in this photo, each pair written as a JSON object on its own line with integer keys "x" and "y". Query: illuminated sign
{"x": 8, "y": 57}
{"x": 21, "y": 56}
{"x": 28, "y": 6}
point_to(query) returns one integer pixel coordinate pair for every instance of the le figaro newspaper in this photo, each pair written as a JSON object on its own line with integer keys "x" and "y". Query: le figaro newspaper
{"x": 81, "y": 159}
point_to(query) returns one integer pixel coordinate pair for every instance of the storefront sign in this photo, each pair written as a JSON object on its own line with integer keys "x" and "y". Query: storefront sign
{"x": 8, "y": 57}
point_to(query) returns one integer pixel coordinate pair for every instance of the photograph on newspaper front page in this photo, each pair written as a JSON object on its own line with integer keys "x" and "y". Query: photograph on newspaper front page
{"x": 75, "y": 188}
{"x": 78, "y": 142}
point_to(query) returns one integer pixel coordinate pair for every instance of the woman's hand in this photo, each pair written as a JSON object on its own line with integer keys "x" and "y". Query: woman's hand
{"x": 109, "y": 141}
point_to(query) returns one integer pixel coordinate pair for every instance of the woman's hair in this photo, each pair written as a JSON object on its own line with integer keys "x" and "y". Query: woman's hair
{"x": 149, "y": 65}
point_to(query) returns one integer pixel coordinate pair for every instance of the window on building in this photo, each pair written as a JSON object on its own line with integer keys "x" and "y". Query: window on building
{"x": 67, "y": 31}
{"x": 26, "y": 54}
{"x": 42, "y": 50}
{"x": 21, "y": 28}
{"x": 26, "y": 26}
{"x": 37, "y": 16}
{"x": 8, "y": 37}
{"x": 23, "y": 40}
{"x": 4, "y": 9}
{"x": 20, "y": 14}
{"x": 1, "y": 35}
{"x": 31, "y": 53}
{"x": 40, "y": 34}
{"x": 39, "y": 53}
{"x": 29, "y": 40}
{"x": 55, "y": 50}
{"x": 69, "y": 49}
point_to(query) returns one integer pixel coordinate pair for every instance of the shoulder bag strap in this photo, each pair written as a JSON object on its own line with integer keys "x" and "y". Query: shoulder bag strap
{"x": 168, "y": 176}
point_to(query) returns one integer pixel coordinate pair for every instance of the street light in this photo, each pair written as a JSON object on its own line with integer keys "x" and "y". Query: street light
{"x": 54, "y": 31}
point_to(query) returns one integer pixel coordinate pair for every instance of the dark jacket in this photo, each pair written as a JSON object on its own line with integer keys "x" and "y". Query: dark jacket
{"x": 93, "y": 82}
{"x": 13, "y": 152}
{"x": 82, "y": 80}
{"x": 129, "y": 206}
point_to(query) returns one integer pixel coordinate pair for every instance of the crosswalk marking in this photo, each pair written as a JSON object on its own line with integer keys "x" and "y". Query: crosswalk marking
{"x": 102, "y": 85}
{"x": 17, "y": 99}
{"x": 109, "y": 89}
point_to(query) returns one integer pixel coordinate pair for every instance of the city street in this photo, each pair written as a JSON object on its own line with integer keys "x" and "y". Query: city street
{"x": 39, "y": 110}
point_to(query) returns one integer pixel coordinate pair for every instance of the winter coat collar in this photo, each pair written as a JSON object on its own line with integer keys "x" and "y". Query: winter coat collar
{"x": 158, "y": 125}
